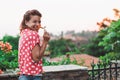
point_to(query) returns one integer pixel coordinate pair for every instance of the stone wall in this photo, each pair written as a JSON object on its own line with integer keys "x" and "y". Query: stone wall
{"x": 66, "y": 75}
{"x": 62, "y": 72}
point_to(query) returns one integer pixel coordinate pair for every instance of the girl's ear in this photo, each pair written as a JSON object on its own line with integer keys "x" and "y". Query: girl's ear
{"x": 26, "y": 22}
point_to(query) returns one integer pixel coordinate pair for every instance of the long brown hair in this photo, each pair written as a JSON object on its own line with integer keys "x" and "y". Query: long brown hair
{"x": 27, "y": 17}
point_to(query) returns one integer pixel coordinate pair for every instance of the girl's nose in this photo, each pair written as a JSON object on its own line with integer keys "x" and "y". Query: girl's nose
{"x": 37, "y": 23}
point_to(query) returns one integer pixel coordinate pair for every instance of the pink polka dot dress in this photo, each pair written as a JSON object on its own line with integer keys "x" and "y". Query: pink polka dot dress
{"x": 28, "y": 39}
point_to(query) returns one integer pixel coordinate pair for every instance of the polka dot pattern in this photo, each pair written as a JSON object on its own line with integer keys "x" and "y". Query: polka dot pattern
{"x": 28, "y": 39}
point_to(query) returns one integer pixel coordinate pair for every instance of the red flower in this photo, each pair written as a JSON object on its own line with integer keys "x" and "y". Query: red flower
{"x": 6, "y": 47}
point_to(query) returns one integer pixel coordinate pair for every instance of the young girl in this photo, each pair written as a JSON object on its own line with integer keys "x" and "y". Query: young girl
{"x": 30, "y": 50}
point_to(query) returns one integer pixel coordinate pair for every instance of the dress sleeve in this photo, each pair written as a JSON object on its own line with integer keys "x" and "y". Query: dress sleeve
{"x": 34, "y": 39}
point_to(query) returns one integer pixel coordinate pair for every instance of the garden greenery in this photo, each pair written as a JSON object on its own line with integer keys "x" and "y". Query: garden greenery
{"x": 111, "y": 40}
{"x": 8, "y": 58}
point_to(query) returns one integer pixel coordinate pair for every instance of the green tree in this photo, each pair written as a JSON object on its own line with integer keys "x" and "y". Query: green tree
{"x": 111, "y": 41}
{"x": 108, "y": 39}
{"x": 61, "y": 47}
{"x": 93, "y": 48}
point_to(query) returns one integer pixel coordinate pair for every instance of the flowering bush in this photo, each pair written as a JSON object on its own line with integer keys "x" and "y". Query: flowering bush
{"x": 6, "y": 47}
{"x": 8, "y": 58}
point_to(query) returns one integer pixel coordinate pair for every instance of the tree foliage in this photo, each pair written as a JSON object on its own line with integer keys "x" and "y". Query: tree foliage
{"x": 94, "y": 49}
{"x": 61, "y": 47}
{"x": 111, "y": 41}
{"x": 108, "y": 39}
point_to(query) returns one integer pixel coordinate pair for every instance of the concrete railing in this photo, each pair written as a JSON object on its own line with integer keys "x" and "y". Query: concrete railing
{"x": 61, "y": 72}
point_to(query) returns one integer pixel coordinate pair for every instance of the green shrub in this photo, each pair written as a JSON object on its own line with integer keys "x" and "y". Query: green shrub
{"x": 8, "y": 60}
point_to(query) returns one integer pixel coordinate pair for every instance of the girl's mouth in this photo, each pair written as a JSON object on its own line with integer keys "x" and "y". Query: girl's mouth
{"x": 41, "y": 27}
{"x": 36, "y": 28}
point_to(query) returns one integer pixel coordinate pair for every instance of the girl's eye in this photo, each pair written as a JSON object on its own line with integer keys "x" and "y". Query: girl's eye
{"x": 36, "y": 21}
{"x": 39, "y": 21}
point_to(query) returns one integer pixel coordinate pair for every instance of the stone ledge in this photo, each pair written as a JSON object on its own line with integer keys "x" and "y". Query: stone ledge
{"x": 65, "y": 72}
{"x": 63, "y": 68}
{"x": 61, "y": 72}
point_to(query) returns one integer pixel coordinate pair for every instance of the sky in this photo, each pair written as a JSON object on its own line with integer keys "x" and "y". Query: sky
{"x": 57, "y": 15}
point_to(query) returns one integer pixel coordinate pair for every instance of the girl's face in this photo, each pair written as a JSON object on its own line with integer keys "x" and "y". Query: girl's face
{"x": 34, "y": 23}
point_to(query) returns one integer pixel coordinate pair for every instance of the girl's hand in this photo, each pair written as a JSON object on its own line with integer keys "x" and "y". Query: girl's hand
{"x": 46, "y": 36}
